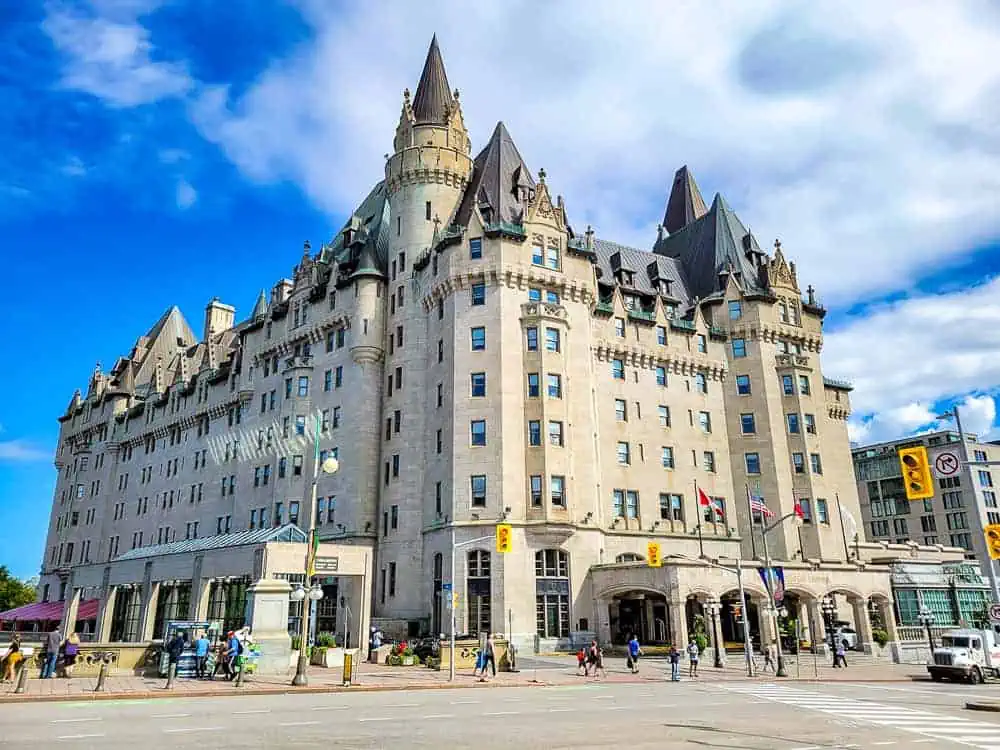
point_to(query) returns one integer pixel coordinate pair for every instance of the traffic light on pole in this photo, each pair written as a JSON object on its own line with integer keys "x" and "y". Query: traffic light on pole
{"x": 917, "y": 478}
{"x": 505, "y": 541}
{"x": 992, "y": 534}
{"x": 653, "y": 558}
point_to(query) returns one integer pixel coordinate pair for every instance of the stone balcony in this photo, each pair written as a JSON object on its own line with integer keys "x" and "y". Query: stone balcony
{"x": 791, "y": 360}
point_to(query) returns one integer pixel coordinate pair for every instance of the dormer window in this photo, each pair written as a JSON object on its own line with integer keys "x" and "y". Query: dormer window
{"x": 665, "y": 287}
{"x": 630, "y": 301}
{"x": 625, "y": 278}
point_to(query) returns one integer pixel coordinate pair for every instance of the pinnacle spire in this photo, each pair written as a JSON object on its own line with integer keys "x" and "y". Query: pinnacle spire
{"x": 433, "y": 97}
{"x": 260, "y": 309}
{"x": 685, "y": 203}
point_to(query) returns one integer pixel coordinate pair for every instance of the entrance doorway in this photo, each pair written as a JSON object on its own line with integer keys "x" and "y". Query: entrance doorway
{"x": 641, "y": 613}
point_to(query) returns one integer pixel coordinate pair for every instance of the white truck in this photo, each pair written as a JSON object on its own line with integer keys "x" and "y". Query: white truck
{"x": 966, "y": 654}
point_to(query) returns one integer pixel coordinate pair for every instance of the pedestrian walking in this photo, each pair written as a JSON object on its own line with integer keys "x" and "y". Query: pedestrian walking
{"x": 693, "y": 653}
{"x": 489, "y": 657}
{"x": 675, "y": 664}
{"x": 581, "y": 662}
{"x": 840, "y": 655}
{"x": 599, "y": 661}
{"x": 71, "y": 650}
{"x": 632, "y": 659}
{"x": 234, "y": 650}
{"x": 222, "y": 663}
{"x": 11, "y": 659}
{"x": 174, "y": 650}
{"x": 50, "y": 653}
{"x": 768, "y": 658}
{"x": 201, "y": 648}
{"x": 592, "y": 653}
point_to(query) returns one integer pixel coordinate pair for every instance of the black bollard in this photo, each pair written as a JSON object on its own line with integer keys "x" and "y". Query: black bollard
{"x": 22, "y": 678}
{"x": 171, "y": 673}
{"x": 101, "y": 676}
{"x": 239, "y": 674}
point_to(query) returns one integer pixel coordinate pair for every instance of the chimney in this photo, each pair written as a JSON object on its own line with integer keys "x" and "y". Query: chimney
{"x": 281, "y": 292}
{"x": 218, "y": 318}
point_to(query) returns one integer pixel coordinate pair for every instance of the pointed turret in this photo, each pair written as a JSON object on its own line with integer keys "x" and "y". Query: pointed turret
{"x": 501, "y": 182}
{"x": 433, "y": 101}
{"x": 685, "y": 203}
{"x": 260, "y": 309}
{"x": 75, "y": 402}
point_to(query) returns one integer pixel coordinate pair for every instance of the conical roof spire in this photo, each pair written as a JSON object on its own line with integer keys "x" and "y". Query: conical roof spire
{"x": 433, "y": 99}
{"x": 260, "y": 309}
{"x": 685, "y": 203}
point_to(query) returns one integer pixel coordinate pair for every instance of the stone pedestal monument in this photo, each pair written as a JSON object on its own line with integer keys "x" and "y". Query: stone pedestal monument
{"x": 267, "y": 615}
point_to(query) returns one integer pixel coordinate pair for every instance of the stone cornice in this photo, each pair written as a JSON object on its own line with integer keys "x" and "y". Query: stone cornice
{"x": 639, "y": 356}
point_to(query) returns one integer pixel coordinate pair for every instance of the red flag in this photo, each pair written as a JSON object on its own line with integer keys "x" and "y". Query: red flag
{"x": 707, "y": 502}
{"x": 798, "y": 511}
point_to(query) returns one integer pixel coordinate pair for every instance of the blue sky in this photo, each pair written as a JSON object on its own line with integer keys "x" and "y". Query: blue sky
{"x": 157, "y": 153}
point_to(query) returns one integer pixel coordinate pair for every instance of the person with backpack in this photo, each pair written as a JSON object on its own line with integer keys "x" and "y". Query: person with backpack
{"x": 632, "y": 660}
{"x": 234, "y": 651}
{"x": 693, "y": 655}
{"x": 71, "y": 650}
{"x": 675, "y": 664}
{"x": 174, "y": 650}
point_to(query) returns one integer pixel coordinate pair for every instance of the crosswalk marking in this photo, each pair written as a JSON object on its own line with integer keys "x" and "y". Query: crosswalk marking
{"x": 978, "y": 734}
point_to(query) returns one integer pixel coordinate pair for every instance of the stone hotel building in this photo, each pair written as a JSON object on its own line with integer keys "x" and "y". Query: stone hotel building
{"x": 471, "y": 355}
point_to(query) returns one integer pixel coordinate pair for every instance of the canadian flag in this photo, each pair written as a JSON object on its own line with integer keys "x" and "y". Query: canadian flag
{"x": 706, "y": 502}
{"x": 799, "y": 513}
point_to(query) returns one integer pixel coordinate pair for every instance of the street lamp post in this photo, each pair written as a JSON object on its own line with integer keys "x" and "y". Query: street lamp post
{"x": 712, "y": 607}
{"x": 829, "y": 609}
{"x": 926, "y": 618}
{"x": 314, "y": 593}
{"x": 780, "y": 672}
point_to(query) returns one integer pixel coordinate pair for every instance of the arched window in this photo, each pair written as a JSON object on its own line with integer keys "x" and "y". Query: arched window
{"x": 552, "y": 593}
{"x": 478, "y": 591}
{"x": 628, "y": 557}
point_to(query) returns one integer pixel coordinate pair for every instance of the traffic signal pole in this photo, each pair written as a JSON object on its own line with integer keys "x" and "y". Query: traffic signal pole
{"x": 454, "y": 557}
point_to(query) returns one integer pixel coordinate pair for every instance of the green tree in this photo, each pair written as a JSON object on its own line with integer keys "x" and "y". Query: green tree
{"x": 13, "y": 593}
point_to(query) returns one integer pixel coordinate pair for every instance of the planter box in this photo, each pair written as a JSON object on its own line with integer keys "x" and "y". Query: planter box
{"x": 407, "y": 661}
{"x": 327, "y": 657}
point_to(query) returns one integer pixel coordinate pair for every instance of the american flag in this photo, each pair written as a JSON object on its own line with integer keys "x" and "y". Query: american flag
{"x": 757, "y": 505}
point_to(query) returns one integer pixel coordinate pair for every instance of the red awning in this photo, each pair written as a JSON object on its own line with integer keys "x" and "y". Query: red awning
{"x": 49, "y": 612}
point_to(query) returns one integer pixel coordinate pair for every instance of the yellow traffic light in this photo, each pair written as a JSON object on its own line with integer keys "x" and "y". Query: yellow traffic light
{"x": 916, "y": 473}
{"x": 992, "y": 534}
{"x": 653, "y": 555}
{"x": 505, "y": 537}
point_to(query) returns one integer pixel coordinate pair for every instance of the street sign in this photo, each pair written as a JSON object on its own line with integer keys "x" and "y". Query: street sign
{"x": 327, "y": 564}
{"x": 446, "y": 586}
{"x": 946, "y": 464}
{"x": 995, "y": 612}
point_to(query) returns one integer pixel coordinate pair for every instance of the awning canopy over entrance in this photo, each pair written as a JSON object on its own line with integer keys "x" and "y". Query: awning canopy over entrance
{"x": 49, "y": 612}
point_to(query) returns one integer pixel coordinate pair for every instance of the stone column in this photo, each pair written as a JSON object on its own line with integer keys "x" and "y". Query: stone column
{"x": 889, "y": 618}
{"x": 68, "y": 624}
{"x": 106, "y": 614}
{"x": 201, "y": 590}
{"x": 148, "y": 616}
{"x": 817, "y": 628}
{"x": 677, "y": 615}
{"x": 267, "y": 615}
{"x": 602, "y": 615}
{"x": 863, "y": 626}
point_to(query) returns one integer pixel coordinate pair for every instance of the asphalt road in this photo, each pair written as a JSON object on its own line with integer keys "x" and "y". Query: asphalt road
{"x": 758, "y": 716}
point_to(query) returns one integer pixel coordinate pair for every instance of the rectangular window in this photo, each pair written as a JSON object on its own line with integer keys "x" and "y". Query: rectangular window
{"x": 748, "y": 424}
{"x": 620, "y": 327}
{"x": 440, "y": 441}
{"x": 288, "y": 387}
{"x": 793, "y": 422}
{"x": 395, "y": 465}
{"x": 735, "y": 310}
{"x": 328, "y": 380}
{"x": 708, "y": 461}
{"x": 752, "y": 462}
{"x": 739, "y": 348}
{"x": 534, "y": 295}
{"x": 440, "y": 395}
{"x": 557, "y": 490}
{"x": 535, "y": 489}
{"x": 804, "y": 385}
{"x": 478, "y": 384}
{"x": 534, "y": 432}
{"x": 617, "y": 369}
{"x": 701, "y": 382}
{"x": 702, "y": 343}
{"x": 552, "y": 258}
{"x": 667, "y": 457}
{"x": 623, "y": 453}
{"x": 985, "y": 478}
{"x": 303, "y": 386}
{"x": 631, "y": 504}
{"x": 552, "y": 339}
{"x": 478, "y": 483}
{"x": 533, "y": 385}
{"x": 475, "y": 248}
{"x": 743, "y": 385}
{"x": 621, "y": 410}
{"x": 663, "y": 413}
{"x": 822, "y": 513}
{"x": 300, "y": 425}
{"x": 705, "y": 421}
{"x": 478, "y": 339}
{"x": 296, "y": 466}
{"x": 554, "y": 381}
{"x": 815, "y": 463}
{"x": 394, "y": 517}
{"x": 661, "y": 335}
{"x": 618, "y": 503}
{"x": 661, "y": 375}
{"x": 810, "y": 422}
{"x": 798, "y": 461}
{"x": 806, "y": 508}
{"x": 478, "y": 294}
{"x": 555, "y": 433}
{"x": 531, "y": 334}
{"x": 477, "y": 428}
{"x": 551, "y": 298}
{"x": 788, "y": 385}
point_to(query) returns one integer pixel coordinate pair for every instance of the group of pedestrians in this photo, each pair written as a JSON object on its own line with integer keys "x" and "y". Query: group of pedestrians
{"x": 228, "y": 654}
{"x": 53, "y": 647}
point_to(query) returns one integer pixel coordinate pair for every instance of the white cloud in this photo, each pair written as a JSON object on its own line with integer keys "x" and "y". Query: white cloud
{"x": 908, "y": 356}
{"x": 21, "y": 451}
{"x": 111, "y": 59}
{"x": 186, "y": 195}
{"x": 979, "y": 415}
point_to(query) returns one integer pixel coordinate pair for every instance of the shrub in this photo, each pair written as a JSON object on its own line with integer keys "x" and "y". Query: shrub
{"x": 326, "y": 640}
{"x": 702, "y": 640}
{"x": 395, "y": 660}
{"x": 881, "y": 637}
{"x": 407, "y": 651}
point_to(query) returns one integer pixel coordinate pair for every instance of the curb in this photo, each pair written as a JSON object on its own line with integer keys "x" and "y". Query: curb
{"x": 11, "y": 698}
{"x": 983, "y": 706}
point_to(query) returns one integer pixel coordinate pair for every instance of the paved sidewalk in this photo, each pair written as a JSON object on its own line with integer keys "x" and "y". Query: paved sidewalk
{"x": 534, "y": 670}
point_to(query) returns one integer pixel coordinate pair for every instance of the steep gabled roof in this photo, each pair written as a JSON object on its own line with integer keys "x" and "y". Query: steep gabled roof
{"x": 370, "y": 245}
{"x": 714, "y": 244}
{"x": 433, "y": 95}
{"x": 640, "y": 262}
{"x": 685, "y": 203}
{"x": 499, "y": 176}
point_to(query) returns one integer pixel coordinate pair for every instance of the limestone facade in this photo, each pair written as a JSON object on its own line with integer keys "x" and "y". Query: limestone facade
{"x": 471, "y": 356}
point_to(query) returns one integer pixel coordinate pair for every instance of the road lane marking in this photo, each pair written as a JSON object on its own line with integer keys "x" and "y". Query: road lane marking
{"x": 513, "y": 700}
{"x": 298, "y": 723}
{"x": 401, "y": 705}
{"x": 561, "y": 710}
{"x": 73, "y": 721}
{"x": 79, "y": 736}
{"x": 439, "y": 716}
{"x": 169, "y": 716}
{"x": 254, "y": 711}
{"x": 380, "y": 718}
{"x": 180, "y": 730}
{"x": 887, "y": 742}
{"x": 464, "y": 703}
{"x": 329, "y": 708}
{"x": 501, "y": 713}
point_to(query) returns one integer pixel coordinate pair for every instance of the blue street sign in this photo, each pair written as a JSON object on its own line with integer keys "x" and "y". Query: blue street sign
{"x": 446, "y": 587}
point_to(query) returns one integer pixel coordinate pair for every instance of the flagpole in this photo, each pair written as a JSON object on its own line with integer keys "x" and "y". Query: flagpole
{"x": 843, "y": 532}
{"x": 701, "y": 518}
{"x": 753, "y": 542}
